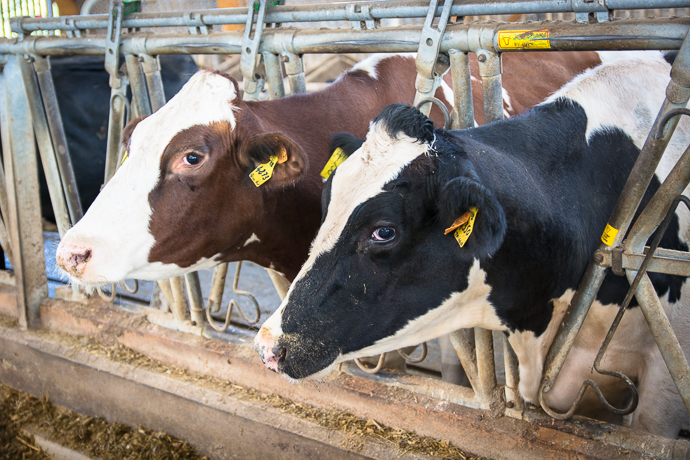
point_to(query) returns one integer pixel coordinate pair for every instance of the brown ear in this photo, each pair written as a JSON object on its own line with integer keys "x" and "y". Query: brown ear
{"x": 261, "y": 147}
{"x": 129, "y": 129}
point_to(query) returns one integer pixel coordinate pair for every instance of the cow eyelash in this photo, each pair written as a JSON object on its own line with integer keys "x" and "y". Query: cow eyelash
{"x": 193, "y": 158}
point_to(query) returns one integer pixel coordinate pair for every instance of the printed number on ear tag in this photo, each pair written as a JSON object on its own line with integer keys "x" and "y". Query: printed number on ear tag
{"x": 264, "y": 171}
{"x": 336, "y": 159}
{"x": 463, "y": 232}
{"x": 125, "y": 156}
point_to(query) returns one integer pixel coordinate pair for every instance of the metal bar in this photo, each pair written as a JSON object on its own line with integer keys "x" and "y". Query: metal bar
{"x": 57, "y": 133}
{"x": 165, "y": 288}
{"x": 140, "y": 98}
{"x": 490, "y": 74}
{"x": 663, "y": 261}
{"x": 514, "y": 402}
{"x": 215, "y": 298}
{"x": 196, "y": 298}
{"x": 647, "y": 34}
{"x": 663, "y": 334}
{"x": 463, "y": 109}
{"x": 179, "y": 304}
{"x": 320, "y": 12}
{"x": 486, "y": 371}
{"x": 464, "y": 345}
{"x": 622, "y": 215}
{"x": 5, "y": 135}
{"x": 152, "y": 72}
{"x": 252, "y": 83}
{"x": 45, "y": 147}
{"x": 22, "y": 189}
{"x": 295, "y": 73}
{"x": 279, "y": 282}
{"x": 274, "y": 76}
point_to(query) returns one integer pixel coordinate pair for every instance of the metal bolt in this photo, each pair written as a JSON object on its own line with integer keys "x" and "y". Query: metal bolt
{"x": 481, "y": 58}
{"x": 193, "y": 323}
{"x": 510, "y": 404}
{"x": 598, "y": 258}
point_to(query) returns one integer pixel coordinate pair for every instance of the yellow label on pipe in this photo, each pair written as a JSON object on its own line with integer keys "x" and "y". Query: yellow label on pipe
{"x": 609, "y": 235}
{"x": 523, "y": 39}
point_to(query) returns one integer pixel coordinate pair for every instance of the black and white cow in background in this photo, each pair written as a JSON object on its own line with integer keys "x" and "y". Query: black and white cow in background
{"x": 382, "y": 275}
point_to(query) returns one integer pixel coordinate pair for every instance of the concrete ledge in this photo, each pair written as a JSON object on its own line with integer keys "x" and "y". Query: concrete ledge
{"x": 382, "y": 398}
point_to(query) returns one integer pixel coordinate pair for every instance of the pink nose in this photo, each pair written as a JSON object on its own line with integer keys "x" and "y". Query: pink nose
{"x": 73, "y": 259}
{"x": 271, "y": 354}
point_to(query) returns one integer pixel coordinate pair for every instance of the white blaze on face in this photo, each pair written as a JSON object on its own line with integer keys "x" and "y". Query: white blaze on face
{"x": 358, "y": 179}
{"x": 116, "y": 227}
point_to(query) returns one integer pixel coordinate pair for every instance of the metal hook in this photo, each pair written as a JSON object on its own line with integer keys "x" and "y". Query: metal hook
{"x": 410, "y": 360}
{"x": 233, "y": 303}
{"x": 109, "y": 298}
{"x": 132, "y": 290}
{"x": 659, "y": 133}
{"x": 371, "y": 370}
{"x": 441, "y": 105}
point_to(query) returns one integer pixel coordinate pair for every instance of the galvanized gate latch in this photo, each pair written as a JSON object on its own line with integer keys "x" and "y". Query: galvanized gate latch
{"x": 253, "y": 83}
{"x": 428, "y": 79}
{"x": 598, "y": 8}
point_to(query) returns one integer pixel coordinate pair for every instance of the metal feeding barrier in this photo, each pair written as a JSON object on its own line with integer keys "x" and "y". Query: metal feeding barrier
{"x": 28, "y": 111}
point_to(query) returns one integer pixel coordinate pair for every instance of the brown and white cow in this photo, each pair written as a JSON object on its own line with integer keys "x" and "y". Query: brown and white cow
{"x": 184, "y": 201}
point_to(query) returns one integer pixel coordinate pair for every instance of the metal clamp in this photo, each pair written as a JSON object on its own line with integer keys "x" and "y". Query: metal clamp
{"x": 583, "y": 8}
{"x": 359, "y": 15}
{"x": 195, "y": 22}
{"x": 428, "y": 80}
{"x": 253, "y": 83}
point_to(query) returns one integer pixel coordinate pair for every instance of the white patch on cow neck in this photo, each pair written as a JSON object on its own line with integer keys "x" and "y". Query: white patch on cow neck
{"x": 508, "y": 110}
{"x": 116, "y": 226}
{"x": 620, "y": 93}
{"x": 370, "y": 64}
{"x": 252, "y": 239}
{"x": 469, "y": 308}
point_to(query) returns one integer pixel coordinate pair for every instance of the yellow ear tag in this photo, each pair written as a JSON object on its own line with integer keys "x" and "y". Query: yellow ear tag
{"x": 264, "y": 171}
{"x": 458, "y": 222}
{"x": 336, "y": 159}
{"x": 465, "y": 230}
{"x": 125, "y": 156}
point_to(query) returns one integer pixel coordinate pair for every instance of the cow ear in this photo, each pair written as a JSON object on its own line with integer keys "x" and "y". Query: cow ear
{"x": 129, "y": 129}
{"x": 262, "y": 147}
{"x": 457, "y": 197}
{"x": 348, "y": 143}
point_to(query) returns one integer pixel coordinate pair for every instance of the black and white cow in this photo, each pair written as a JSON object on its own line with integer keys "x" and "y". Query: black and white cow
{"x": 382, "y": 275}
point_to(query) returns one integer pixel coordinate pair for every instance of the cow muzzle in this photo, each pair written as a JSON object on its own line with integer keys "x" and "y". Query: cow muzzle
{"x": 73, "y": 258}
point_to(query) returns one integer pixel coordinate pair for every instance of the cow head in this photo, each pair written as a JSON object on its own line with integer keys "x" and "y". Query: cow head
{"x": 183, "y": 196}
{"x": 381, "y": 274}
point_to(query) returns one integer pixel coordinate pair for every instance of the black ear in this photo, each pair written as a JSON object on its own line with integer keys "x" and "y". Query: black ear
{"x": 260, "y": 148}
{"x": 347, "y": 142}
{"x": 457, "y": 197}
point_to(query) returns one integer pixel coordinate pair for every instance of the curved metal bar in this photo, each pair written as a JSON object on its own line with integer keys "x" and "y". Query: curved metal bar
{"x": 371, "y": 370}
{"x": 661, "y": 127}
{"x": 213, "y": 323}
{"x": 133, "y": 290}
{"x": 441, "y": 105}
{"x": 247, "y": 294}
{"x": 111, "y": 297}
{"x": 410, "y": 360}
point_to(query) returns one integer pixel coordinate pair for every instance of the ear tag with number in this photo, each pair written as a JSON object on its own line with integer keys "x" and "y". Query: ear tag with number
{"x": 336, "y": 159}
{"x": 264, "y": 171}
{"x": 465, "y": 226}
{"x": 125, "y": 156}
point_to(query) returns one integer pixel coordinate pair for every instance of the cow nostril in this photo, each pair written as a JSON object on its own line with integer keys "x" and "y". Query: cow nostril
{"x": 79, "y": 259}
{"x": 280, "y": 352}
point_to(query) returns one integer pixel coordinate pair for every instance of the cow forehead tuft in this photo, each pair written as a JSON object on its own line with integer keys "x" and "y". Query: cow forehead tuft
{"x": 206, "y": 98}
{"x": 380, "y": 160}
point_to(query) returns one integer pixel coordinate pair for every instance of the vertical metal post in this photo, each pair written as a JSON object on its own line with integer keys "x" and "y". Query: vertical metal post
{"x": 179, "y": 304}
{"x": 5, "y": 135}
{"x": 252, "y": 83}
{"x": 22, "y": 183}
{"x": 274, "y": 75}
{"x": 463, "y": 109}
{"x": 295, "y": 73}
{"x": 464, "y": 345}
{"x": 215, "y": 298}
{"x": 57, "y": 134}
{"x": 486, "y": 371}
{"x": 281, "y": 284}
{"x": 196, "y": 299}
{"x": 45, "y": 147}
{"x": 514, "y": 403}
{"x": 152, "y": 71}
{"x": 490, "y": 73}
{"x": 140, "y": 98}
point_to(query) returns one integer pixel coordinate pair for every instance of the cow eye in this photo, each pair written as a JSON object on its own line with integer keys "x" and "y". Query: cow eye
{"x": 192, "y": 159}
{"x": 383, "y": 234}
